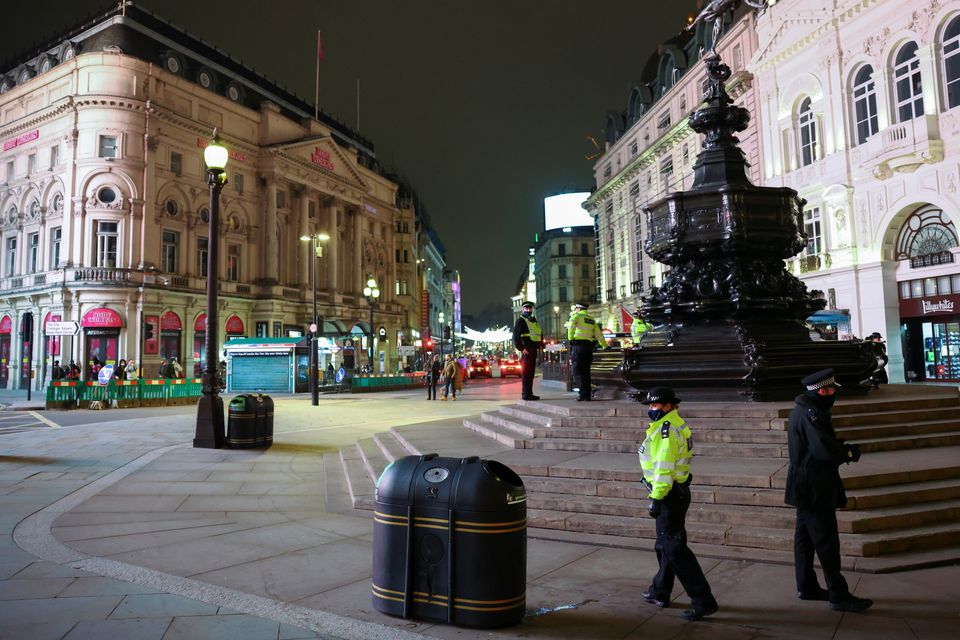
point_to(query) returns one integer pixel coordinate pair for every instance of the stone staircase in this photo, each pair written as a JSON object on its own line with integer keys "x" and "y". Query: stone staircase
{"x": 578, "y": 462}
{"x": 904, "y": 506}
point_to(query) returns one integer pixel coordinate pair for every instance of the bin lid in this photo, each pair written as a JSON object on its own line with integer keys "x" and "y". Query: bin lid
{"x": 458, "y": 483}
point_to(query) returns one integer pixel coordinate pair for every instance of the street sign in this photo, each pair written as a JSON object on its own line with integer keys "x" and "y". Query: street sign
{"x": 406, "y": 350}
{"x": 62, "y": 328}
{"x": 313, "y": 328}
{"x": 105, "y": 373}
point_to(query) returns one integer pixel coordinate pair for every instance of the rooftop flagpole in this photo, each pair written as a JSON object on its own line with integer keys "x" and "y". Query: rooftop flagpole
{"x": 316, "y": 94}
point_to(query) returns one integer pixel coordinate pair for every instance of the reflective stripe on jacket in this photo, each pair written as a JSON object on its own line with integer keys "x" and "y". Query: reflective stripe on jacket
{"x": 533, "y": 330}
{"x": 583, "y": 327}
{"x": 665, "y": 454}
{"x": 638, "y": 328}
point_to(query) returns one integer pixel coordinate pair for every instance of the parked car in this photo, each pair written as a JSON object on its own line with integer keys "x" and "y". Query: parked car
{"x": 479, "y": 368}
{"x": 509, "y": 367}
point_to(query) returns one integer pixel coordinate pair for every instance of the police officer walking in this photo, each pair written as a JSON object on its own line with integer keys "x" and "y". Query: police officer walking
{"x": 665, "y": 456}
{"x": 527, "y": 339}
{"x": 639, "y": 327}
{"x": 814, "y": 487}
{"x": 584, "y": 335}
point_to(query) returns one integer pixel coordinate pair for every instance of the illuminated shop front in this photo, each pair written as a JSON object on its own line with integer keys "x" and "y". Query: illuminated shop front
{"x": 930, "y": 328}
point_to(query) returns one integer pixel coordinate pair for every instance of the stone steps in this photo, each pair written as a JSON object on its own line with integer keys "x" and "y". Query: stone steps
{"x": 495, "y": 432}
{"x": 364, "y": 462}
{"x": 900, "y": 443}
{"x": 895, "y": 417}
{"x": 890, "y": 430}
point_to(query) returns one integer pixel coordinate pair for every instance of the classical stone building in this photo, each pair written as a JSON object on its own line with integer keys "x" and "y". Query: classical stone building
{"x": 650, "y": 150}
{"x": 566, "y": 273}
{"x": 859, "y": 106}
{"x": 104, "y": 205}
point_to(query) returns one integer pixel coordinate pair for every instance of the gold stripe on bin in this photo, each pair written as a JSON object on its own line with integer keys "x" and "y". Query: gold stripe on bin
{"x": 440, "y": 600}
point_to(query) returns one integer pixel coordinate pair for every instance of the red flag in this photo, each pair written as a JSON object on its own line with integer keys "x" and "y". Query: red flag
{"x": 319, "y": 46}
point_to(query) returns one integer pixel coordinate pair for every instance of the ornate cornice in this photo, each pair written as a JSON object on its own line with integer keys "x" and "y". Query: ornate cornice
{"x": 36, "y": 119}
{"x": 200, "y": 130}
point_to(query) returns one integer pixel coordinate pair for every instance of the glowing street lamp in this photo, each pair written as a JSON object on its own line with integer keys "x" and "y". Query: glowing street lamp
{"x": 210, "y": 430}
{"x": 372, "y": 293}
{"x": 317, "y": 324}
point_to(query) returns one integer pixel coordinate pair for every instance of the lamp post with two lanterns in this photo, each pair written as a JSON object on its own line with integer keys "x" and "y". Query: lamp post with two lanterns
{"x": 316, "y": 323}
{"x": 210, "y": 429}
{"x": 556, "y": 321}
{"x": 371, "y": 292}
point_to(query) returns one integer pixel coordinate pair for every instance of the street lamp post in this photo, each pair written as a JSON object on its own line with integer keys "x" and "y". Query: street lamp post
{"x": 315, "y": 321}
{"x": 210, "y": 432}
{"x": 440, "y": 316}
{"x": 556, "y": 321}
{"x": 371, "y": 292}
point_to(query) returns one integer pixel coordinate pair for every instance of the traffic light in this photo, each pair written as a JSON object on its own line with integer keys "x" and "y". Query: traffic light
{"x": 148, "y": 331}
{"x": 446, "y": 332}
{"x": 429, "y": 344}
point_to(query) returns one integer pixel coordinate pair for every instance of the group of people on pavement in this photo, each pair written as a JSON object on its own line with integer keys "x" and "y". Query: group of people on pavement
{"x": 448, "y": 373}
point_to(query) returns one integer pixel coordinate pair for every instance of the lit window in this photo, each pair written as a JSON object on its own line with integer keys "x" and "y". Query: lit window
{"x": 10, "y": 264}
{"x": 812, "y": 222}
{"x": 908, "y": 87}
{"x": 233, "y": 262}
{"x": 807, "y": 126}
{"x": 865, "y": 104}
{"x": 33, "y": 247}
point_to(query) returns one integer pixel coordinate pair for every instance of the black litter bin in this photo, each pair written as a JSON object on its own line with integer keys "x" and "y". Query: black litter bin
{"x": 250, "y": 422}
{"x": 450, "y": 541}
{"x": 263, "y": 432}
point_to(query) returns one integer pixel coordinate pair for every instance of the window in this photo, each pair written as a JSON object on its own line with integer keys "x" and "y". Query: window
{"x": 406, "y": 256}
{"x": 238, "y": 183}
{"x": 562, "y": 249}
{"x": 281, "y": 199}
{"x": 955, "y": 283}
{"x": 865, "y": 104}
{"x": 916, "y": 288}
{"x": 107, "y": 236}
{"x": 943, "y": 285}
{"x": 176, "y": 163}
{"x": 402, "y": 288}
{"x": 33, "y": 247}
{"x": 951, "y": 62}
{"x": 584, "y": 271}
{"x": 908, "y": 89}
{"x": 666, "y": 167}
{"x": 905, "y": 290}
{"x": 584, "y": 249}
{"x": 31, "y": 164}
{"x": 233, "y": 262}
{"x": 10, "y": 264}
{"x": 929, "y": 286}
{"x": 562, "y": 271}
{"x": 55, "y": 236}
{"x": 634, "y": 148}
{"x": 397, "y": 251}
{"x": 10, "y": 171}
{"x": 685, "y": 154}
{"x": 606, "y": 171}
{"x": 812, "y": 222}
{"x": 562, "y": 295}
{"x": 807, "y": 125}
{"x": 203, "y": 248}
{"x": 737, "y": 58}
{"x": 55, "y": 156}
{"x": 927, "y": 232}
{"x": 108, "y": 146}
{"x": 683, "y": 104}
{"x": 311, "y": 209}
{"x": 168, "y": 252}
{"x": 663, "y": 123}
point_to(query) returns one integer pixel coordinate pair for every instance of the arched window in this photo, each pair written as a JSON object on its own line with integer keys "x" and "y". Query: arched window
{"x": 667, "y": 77}
{"x": 928, "y": 231}
{"x": 951, "y": 62}
{"x": 864, "y": 104}
{"x": 908, "y": 88}
{"x": 807, "y": 129}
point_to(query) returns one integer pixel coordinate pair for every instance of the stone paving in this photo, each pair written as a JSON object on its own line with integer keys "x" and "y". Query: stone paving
{"x": 122, "y": 530}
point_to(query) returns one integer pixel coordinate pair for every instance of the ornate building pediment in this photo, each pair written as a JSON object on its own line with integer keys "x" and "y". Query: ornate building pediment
{"x": 326, "y": 157}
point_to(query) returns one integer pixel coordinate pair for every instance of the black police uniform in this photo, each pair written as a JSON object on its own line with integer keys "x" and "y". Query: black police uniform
{"x": 815, "y": 488}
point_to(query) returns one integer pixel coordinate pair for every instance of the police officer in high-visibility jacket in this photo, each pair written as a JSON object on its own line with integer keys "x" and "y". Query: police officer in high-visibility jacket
{"x": 528, "y": 340}
{"x": 584, "y": 334}
{"x": 639, "y": 327}
{"x": 665, "y": 456}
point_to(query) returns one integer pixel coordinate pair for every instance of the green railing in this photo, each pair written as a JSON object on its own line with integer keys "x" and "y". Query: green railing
{"x": 365, "y": 383}
{"x": 69, "y": 394}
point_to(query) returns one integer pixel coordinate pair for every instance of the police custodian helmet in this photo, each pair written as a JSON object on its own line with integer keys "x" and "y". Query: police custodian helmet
{"x": 662, "y": 395}
{"x": 819, "y": 380}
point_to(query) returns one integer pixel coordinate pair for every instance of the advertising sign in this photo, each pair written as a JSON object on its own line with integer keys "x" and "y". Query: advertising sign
{"x": 151, "y": 335}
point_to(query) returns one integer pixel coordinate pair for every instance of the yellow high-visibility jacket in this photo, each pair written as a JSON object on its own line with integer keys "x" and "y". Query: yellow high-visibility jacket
{"x": 665, "y": 454}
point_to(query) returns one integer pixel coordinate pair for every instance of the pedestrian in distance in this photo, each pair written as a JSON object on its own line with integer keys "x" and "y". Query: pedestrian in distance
{"x": 176, "y": 369}
{"x": 56, "y": 373}
{"x": 132, "y": 370}
{"x": 639, "y": 327}
{"x": 584, "y": 335}
{"x": 451, "y": 377}
{"x": 880, "y": 350}
{"x": 665, "y": 456}
{"x": 120, "y": 373}
{"x": 528, "y": 340}
{"x": 815, "y": 488}
{"x": 434, "y": 371}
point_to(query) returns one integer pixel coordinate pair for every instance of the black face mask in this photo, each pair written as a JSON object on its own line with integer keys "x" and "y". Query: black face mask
{"x": 656, "y": 414}
{"x": 825, "y": 402}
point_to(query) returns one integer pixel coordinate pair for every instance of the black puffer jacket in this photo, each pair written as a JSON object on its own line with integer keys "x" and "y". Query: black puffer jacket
{"x": 813, "y": 478}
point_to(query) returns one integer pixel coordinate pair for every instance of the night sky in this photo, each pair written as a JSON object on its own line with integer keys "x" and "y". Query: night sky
{"x": 484, "y": 106}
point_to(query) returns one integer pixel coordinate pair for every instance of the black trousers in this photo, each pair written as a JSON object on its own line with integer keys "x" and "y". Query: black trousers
{"x": 528, "y": 367}
{"x": 581, "y": 357}
{"x": 817, "y": 531}
{"x": 431, "y": 387}
{"x": 675, "y": 557}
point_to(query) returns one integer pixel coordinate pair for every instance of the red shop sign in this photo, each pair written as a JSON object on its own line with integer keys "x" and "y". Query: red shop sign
{"x": 101, "y": 318}
{"x": 170, "y": 321}
{"x": 234, "y": 325}
{"x": 21, "y": 139}
{"x": 945, "y": 305}
{"x": 200, "y": 324}
{"x": 6, "y": 325}
{"x": 151, "y": 338}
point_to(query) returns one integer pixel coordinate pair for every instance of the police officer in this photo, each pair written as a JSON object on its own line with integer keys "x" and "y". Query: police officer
{"x": 814, "y": 487}
{"x": 665, "y": 456}
{"x": 584, "y": 335}
{"x": 639, "y": 327}
{"x": 527, "y": 339}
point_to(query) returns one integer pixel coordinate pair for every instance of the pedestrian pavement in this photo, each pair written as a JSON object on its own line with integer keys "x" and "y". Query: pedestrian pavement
{"x": 122, "y": 529}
